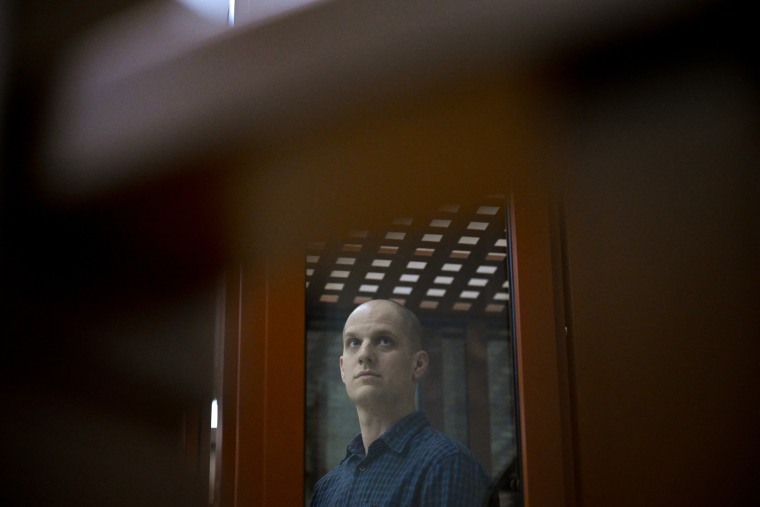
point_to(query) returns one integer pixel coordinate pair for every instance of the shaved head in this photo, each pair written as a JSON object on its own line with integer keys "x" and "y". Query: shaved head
{"x": 412, "y": 327}
{"x": 382, "y": 358}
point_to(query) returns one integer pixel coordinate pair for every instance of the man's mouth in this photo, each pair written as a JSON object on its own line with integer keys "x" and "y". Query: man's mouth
{"x": 366, "y": 374}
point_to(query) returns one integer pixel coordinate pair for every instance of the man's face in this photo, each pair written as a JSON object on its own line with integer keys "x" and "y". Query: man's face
{"x": 378, "y": 364}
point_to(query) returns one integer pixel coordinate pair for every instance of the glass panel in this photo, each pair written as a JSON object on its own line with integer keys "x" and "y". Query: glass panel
{"x": 460, "y": 292}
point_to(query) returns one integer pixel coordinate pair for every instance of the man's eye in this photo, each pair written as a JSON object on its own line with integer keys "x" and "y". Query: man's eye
{"x": 354, "y": 342}
{"x": 384, "y": 340}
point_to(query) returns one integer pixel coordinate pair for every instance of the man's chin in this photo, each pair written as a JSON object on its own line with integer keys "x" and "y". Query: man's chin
{"x": 366, "y": 395}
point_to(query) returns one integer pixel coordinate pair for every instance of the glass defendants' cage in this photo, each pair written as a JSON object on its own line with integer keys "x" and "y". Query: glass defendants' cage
{"x": 450, "y": 267}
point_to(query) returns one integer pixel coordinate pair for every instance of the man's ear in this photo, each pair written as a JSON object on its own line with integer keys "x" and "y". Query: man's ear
{"x": 421, "y": 361}
{"x": 342, "y": 375}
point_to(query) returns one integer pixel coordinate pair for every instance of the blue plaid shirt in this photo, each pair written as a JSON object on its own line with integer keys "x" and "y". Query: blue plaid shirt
{"x": 411, "y": 464}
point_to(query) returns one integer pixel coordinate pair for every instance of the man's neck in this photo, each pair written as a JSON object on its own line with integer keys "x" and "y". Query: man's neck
{"x": 374, "y": 424}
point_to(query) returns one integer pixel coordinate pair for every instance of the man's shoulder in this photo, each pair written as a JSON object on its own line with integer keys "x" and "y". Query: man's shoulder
{"x": 444, "y": 460}
{"x": 325, "y": 487}
{"x": 433, "y": 445}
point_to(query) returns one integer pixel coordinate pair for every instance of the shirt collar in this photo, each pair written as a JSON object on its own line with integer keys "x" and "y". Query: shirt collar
{"x": 397, "y": 437}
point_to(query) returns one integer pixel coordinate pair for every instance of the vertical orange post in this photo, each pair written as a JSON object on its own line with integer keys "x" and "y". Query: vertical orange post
{"x": 263, "y": 442}
{"x": 538, "y": 377}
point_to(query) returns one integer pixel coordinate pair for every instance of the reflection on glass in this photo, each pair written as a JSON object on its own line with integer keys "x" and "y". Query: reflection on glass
{"x": 450, "y": 268}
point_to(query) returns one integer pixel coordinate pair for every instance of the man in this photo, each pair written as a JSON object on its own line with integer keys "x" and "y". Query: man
{"x": 398, "y": 459}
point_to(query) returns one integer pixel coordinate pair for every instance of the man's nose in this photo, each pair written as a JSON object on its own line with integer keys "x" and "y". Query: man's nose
{"x": 366, "y": 353}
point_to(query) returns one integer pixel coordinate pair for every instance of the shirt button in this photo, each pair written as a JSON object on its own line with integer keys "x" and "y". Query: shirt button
{"x": 362, "y": 468}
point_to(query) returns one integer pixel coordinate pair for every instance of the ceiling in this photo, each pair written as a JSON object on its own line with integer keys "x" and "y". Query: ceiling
{"x": 452, "y": 261}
